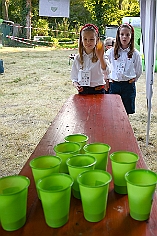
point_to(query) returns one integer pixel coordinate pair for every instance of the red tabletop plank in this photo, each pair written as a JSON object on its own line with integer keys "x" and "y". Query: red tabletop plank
{"x": 103, "y": 119}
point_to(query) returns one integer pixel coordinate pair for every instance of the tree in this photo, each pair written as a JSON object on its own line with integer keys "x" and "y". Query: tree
{"x": 99, "y": 12}
{"x": 28, "y": 19}
{"x": 79, "y": 14}
{"x": 103, "y": 12}
{"x": 120, "y": 4}
{"x": 5, "y": 6}
{"x": 111, "y": 12}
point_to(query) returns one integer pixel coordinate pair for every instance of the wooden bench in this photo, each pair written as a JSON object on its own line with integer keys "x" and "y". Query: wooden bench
{"x": 103, "y": 119}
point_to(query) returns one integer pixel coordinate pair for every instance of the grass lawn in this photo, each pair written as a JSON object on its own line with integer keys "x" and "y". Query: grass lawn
{"x": 33, "y": 88}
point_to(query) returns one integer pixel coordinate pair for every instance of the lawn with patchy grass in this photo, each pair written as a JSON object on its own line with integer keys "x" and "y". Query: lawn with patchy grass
{"x": 33, "y": 88}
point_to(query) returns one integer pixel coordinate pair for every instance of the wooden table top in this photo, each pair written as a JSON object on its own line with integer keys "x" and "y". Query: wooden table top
{"x": 103, "y": 119}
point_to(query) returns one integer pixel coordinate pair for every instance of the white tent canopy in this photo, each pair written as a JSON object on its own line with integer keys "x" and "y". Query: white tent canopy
{"x": 149, "y": 37}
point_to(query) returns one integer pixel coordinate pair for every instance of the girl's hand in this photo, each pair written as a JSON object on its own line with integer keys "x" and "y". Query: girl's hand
{"x": 78, "y": 87}
{"x": 131, "y": 81}
{"x": 99, "y": 50}
{"x": 107, "y": 85}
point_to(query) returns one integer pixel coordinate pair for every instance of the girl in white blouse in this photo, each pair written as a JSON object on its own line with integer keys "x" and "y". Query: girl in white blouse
{"x": 90, "y": 64}
{"x": 126, "y": 67}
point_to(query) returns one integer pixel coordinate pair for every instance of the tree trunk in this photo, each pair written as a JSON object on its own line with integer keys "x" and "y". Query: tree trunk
{"x": 120, "y": 4}
{"x": 28, "y": 19}
{"x": 5, "y": 6}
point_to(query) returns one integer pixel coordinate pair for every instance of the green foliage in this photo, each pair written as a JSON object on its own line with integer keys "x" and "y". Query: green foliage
{"x": 25, "y": 9}
{"x": 133, "y": 10}
{"x": 56, "y": 42}
{"x": 40, "y": 27}
{"x": 64, "y": 40}
{"x": 103, "y": 12}
{"x": 79, "y": 14}
{"x": 61, "y": 29}
{"x": 44, "y": 41}
{"x": 99, "y": 12}
{"x": 15, "y": 11}
{"x": 111, "y": 12}
{"x": 46, "y": 38}
{"x": 74, "y": 45}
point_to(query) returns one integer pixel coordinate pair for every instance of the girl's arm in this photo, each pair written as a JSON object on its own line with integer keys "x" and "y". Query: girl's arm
{"x": 74, "y": 71}
{"x": 77, "y": 86}
{"x": 104, "y": 61}
{"x": 74, "y": 75}
{"x": 138, "y": 65}
{"x": 100, "y": 55}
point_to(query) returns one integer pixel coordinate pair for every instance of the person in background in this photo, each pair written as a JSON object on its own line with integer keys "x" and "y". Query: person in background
{"x": 108, "y": 43}
{"x": 90, "y": 63}
{"x": 126, "y": 67}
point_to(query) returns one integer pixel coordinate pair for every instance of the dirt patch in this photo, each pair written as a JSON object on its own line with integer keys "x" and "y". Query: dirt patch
{"x": 33, "y": 88}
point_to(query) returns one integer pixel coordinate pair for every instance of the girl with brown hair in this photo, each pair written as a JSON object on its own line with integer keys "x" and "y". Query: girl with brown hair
{"x": 126, "y": 67}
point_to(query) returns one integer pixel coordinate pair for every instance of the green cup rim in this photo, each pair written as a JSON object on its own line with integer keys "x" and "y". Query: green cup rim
{"x": 99, "y": 143}
{"x": 16, "y": 176}
{"x": 77, "y": 134}
{"x": 59, "y": 144}
{"x": 95, "y": 170}
{"x": 67, "y": 161}
{"x": 40, "y": 157}
{"x": 140, "y": 170}
{"x": 122, "y": 162}
{"x": 53, "y": 174}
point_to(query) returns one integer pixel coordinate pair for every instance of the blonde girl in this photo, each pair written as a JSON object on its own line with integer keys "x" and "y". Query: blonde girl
{"x": 90, "y": 64}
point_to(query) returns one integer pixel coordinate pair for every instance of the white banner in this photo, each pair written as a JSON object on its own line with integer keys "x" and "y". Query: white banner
{"x": 54, "y": 8}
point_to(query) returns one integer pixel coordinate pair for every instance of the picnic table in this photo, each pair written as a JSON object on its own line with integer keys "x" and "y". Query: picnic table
{"x": 103, "y": 119}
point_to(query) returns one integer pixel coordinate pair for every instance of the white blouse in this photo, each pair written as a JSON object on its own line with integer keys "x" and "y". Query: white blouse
{"x": 124, "y": 68}
{"x": 97, "y": 74}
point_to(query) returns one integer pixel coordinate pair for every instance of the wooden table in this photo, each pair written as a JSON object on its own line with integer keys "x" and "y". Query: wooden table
{"x": 103, "y": 119}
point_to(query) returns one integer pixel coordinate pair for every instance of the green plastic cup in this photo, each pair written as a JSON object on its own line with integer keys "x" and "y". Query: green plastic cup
{"x": 13, "y": 201}
{"x": 55, "y": 192}
{"x": 141, "y": 185}
{"x": 94, "y": 186}
{"x": 43, "y": 166}
{"x": 66, "y": 150}
{"x": 122, "y": 162}
{"x": 77, "y": 138}
{"x": 77, "y": 164}
{"x": 100, "y": 152}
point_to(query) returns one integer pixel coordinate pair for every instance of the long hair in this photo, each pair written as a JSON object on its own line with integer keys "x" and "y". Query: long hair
{"x": 87, "y": 27}
{"x": 118, "y": 43}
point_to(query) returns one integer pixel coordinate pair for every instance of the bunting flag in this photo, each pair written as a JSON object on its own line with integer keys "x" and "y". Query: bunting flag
{"x": 54, "y": 8}
{"x": 149, "y": 37}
